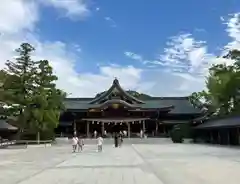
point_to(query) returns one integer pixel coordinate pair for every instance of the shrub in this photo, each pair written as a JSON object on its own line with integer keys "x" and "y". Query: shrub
{"x": 176, "y": 135}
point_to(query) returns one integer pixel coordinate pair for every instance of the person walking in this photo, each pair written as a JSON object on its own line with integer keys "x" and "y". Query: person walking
{"x": 74, "y": 143}
{"x": 116, "y": 140}
{"x": 141, "y": 134}
{"x": 99, "y": 143}
{"x": 120, "y": 139}
{"x": 80, "y": 144}
{"x": 95, "y": 134}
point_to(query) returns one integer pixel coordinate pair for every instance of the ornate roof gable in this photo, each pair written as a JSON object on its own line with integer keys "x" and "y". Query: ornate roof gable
{"x": 114, "y": 92}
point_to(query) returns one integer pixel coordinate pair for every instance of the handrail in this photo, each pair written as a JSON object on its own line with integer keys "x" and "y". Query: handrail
{"x": 6, "y": 143}
{"x": 25, "y": 142}
{"x": 37, "y": 142}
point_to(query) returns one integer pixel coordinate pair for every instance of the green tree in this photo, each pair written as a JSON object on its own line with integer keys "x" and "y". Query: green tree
{"x": 3, "y": 76}
{"x": 223, "y": 83}
{"x": 30, "y": 90}
{"x": 47, "y": 101}
{"x": 19, "y": 83}
{"x": 196, "y": 99}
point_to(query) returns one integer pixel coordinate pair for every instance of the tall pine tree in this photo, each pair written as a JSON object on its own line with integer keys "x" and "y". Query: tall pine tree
{"x": 32, "y": 93}
{"x": 19, "y": 83}
{"x": 47, "y": 100}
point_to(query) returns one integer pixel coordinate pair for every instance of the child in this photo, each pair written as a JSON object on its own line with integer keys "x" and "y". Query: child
{"x": 100, "y": 143}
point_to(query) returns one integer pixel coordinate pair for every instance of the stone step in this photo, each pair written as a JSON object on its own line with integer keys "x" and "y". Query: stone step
{"x": 125, "y": 141}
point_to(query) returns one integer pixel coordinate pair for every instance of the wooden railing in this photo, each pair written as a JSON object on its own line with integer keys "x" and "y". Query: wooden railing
{"x": 6, "y": 143}
{"x": 25, "y": 143}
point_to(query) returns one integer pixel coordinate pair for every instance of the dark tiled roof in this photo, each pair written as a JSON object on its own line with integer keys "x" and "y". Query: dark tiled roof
{"x": 181, "y": 104}
{"x": 77, "y": 104}
{"x": 233, "y": 121}
{"x": 175, "y": 122}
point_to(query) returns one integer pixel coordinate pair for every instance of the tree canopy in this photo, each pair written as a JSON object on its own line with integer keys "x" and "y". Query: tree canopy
{"x": 222, "y": 87}
{"x": 29, "y": 88}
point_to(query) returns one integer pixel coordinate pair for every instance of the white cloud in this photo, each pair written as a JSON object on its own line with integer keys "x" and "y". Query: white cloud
{"x": 184, "y": 59}
{"x": 185, "y": 53}
{"x": 83, "y": 84}
{"x": 77, "y": 48}
{"x": 111, "y": 21}
{"x": 73, "y": 9}
{"x": 133, "y": 56}
{"x": 62, "y": 59}
{"x": 139, "y": 58}
{"x": 189, "y": 58}
{"x": 233, "y": 30}
{"x": 17, "y": 15}
{"x": 64, "y": 62}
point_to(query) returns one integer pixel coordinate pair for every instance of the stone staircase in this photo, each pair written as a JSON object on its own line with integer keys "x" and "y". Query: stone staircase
{"x": 63, "y": 141}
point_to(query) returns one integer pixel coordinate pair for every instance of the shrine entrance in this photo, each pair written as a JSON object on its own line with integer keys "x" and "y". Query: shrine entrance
{"x": 119, "y": 127}
{"x": 110, "y": 126}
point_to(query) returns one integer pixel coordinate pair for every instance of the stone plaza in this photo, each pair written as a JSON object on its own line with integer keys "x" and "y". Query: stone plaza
{"x": 159, "y": 162}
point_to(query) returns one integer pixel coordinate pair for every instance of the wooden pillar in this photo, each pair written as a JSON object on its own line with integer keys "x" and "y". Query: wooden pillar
{"x": 238, "y": 136}
{"x": 219, "y": 138}
{"x": 102, "y": 129}
{"x": 228, "y": 136}
{"x": 129, "y": 129}
{"x": 211, "y": 137}
{"x": 156, "y": 127}
{"x": 74, "y": 128}
{"x": 143, "y": 126}
{"x": 88, "y": 129}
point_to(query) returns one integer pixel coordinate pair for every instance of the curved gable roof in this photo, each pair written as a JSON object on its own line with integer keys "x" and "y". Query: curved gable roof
{"x": 115, "y": 86}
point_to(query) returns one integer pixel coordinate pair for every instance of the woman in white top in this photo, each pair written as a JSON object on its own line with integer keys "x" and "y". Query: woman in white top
{"x": 74, "y": 143}
{"x": 80, "y": 144}
{"x": 99, "y": 143}
{"x": 95, "y": 134}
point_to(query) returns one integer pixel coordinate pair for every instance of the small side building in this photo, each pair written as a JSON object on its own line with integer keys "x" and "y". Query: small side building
{"x": 219, "y": 130}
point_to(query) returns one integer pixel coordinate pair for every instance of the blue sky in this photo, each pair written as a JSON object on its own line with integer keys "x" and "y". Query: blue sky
{"x": 161, "y": 47}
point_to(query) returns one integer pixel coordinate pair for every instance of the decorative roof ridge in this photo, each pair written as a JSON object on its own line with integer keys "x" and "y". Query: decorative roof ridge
{"x": 119, "y": 101}
{"x": 117, "y": 85}
{"x": 148, "y": 98}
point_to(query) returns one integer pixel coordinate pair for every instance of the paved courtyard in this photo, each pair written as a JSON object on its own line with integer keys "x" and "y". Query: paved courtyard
{"x": 165, "y": 163}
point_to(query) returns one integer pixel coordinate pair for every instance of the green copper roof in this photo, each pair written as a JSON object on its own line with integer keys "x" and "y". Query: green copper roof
{"x": 220, "y": 122}
{"x": 181, "y": 105}
{"x": 116, "y": 94}
{"x": 175, "y": 122}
